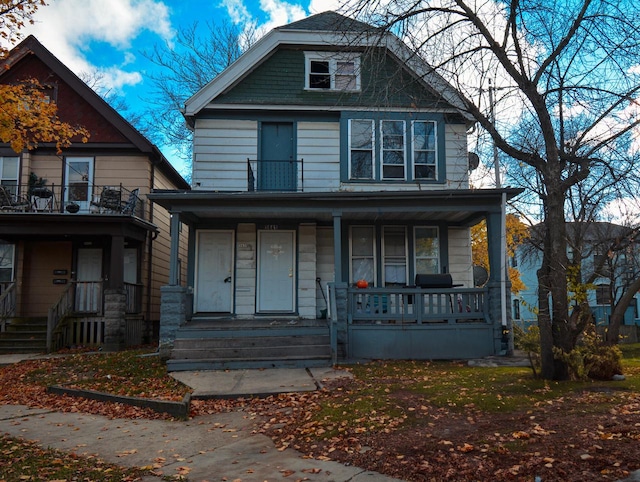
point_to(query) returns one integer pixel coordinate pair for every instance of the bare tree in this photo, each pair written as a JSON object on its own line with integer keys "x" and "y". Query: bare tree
{"x": 186, "y": 66}
{"x": 572, "y": 68}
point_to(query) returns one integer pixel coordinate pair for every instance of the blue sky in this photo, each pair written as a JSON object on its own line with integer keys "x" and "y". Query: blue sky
{"x": 108, "y": 36}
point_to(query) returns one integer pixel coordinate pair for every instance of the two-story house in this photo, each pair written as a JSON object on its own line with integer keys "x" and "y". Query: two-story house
{"x": 82, "y": 251}
{"x": 330, "y": 210}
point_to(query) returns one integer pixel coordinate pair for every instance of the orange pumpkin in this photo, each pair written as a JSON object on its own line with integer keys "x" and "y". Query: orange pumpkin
{"x": 362, "y": 283}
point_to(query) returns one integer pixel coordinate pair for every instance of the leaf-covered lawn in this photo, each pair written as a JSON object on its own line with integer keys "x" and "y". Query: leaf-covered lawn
{"x": 417, "y": 421}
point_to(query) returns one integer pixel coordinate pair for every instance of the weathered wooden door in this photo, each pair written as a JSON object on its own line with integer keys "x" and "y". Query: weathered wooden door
{"x": 276, "y": 272}
{"x": 214, "y": 272}
{"x": 277, "y": 169}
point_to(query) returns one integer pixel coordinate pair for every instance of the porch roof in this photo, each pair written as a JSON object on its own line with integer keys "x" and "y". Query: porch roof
{"x": 49, "y": 226}
{"x": 462, "y": 207}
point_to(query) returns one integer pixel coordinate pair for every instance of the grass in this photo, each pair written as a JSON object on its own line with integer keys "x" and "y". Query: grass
{"x": 23, "y": 461}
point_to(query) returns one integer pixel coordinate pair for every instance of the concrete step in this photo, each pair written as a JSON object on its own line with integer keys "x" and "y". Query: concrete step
{"x": 258, "y": 353}
{"x": 245, "y": 364}
{"x": 251, "y": 341}
{"x": 24, "y": 335}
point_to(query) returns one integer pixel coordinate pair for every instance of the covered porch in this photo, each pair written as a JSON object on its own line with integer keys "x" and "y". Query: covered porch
{"x": 385, "y": 319}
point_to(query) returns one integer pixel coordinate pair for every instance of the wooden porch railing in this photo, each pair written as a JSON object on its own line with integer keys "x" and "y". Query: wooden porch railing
{"x": 134, "y": 298}
{"x": 58, "y": 312}
{"x": 416, "y": 305}
{"x": 88, "y": 297}
{"x": 7, "y": 303}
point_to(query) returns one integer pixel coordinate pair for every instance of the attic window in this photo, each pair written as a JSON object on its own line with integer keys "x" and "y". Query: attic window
{"x": 332, "y": 71}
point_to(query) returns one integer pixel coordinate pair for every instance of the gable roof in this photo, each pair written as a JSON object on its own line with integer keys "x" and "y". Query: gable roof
{"x": 321, "y": 30}
{"x": 31, "y": 46}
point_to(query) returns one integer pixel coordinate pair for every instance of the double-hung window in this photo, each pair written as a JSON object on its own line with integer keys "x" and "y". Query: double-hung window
{"x": 424, "y": 150}
{"x": 6, "y": 262}
{"x": 393, "y": 158}
{"x": 9, "y": 174}
{"x": 361, "y": 142}
{"x": 427, "y": 249}
{"x": 394, "y": 256}
{"x": 363, "y": 259}
{"x": 332, "y": 71}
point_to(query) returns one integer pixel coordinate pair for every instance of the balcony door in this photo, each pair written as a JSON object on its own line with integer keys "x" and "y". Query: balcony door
{"x": 277, "y": 168}
{"x": 79, "y": 181}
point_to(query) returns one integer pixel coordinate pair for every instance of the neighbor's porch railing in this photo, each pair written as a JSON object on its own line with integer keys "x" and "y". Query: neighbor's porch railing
{"x": 275, "y": 175}
{"x": 7, "y": 303}
{"x": 416, "y": 305}
{"x": 80, "y": 198}
{"x": 134, "y": 298}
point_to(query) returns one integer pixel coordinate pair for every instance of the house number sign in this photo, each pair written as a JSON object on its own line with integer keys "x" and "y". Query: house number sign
{"x": 271, "y": 227}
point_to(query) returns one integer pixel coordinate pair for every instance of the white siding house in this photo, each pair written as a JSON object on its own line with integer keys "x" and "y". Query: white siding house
{"x": 337, "y": 178}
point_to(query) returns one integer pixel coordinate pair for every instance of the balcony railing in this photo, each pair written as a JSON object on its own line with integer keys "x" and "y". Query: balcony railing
{"x": 80, "y": 198}
{"x": 416, "y": 305}
{"x": 275, "y": 175}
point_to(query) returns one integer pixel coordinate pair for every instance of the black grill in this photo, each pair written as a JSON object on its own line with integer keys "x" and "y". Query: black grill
{"x": 428, "y": 281}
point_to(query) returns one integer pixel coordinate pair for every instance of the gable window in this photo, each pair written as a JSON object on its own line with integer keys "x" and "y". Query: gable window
{"x": 393, "y": 158}
{"x": 424, "y": 150}
{"x": 361, "y": 140}
{"x": 427, "y": 250}
{"x": 394, "y": 256}
{"x": 332, "y": 71}
{"x": 363, "y": 262}
{"x": 9, "y": 174}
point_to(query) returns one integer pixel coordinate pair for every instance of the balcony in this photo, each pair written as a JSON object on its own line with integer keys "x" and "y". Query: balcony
{"x": 79, "y": 198}
{"x": 275, "y": 175}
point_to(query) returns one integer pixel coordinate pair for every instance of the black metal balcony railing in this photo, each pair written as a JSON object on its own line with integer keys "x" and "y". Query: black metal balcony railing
{"x": 275, "y": 175}
{"x": 81, "y": 198}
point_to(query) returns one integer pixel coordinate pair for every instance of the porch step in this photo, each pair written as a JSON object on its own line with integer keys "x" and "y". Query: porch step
{"x": 224, "y": 344}
{"x": 24, "y": 335}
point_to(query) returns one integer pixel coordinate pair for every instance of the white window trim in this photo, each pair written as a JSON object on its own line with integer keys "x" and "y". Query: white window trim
{"x": 415, "y": 249}
{"x": 333, "y": 58}
{"x": 4, "y": 178}
{"x": 373, "y": 150}
{"x": 374, "y": 245}
{"x": 404, "y": 151}
{"x": 406, "y": 254}
{"x": 84, "y": 204}
{"x": 413, "y": 150}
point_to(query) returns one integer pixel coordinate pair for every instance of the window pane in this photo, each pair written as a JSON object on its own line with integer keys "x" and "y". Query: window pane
{"x": 6, "y": 262}
{"x": 362, "y": 268}
{"x": 425, "y": 172}
{"x": 426, "y": 266}
{"x": 361, "y": 165}
{"x": 9, "y": 168}
{"x": 427, "y": 250}
{"x": 394, "y": 274}
{"x": 393, "y": 172}
{"x": 319, "y": 77}
{"x": 319, "y": 67}
{"x": 362, "y": 241}
{"x": 424, "y": 149}
{"x": 393, "y": 157}
{"x": 345, "y": 82}
{"x": 361, "y": 134}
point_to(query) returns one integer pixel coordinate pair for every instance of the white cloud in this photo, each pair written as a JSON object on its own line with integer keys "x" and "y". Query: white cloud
{"x": 319, "y": 6}
{"x": 115, "y": 22}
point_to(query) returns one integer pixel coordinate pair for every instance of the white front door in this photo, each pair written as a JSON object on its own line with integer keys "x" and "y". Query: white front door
{"x": 276, "y": 271}
{"x": 214, "y": 272}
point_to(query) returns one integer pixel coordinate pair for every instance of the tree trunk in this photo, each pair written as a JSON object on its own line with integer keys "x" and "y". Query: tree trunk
{"x": 612, "y": 336}
{"x": 552, "y": 281}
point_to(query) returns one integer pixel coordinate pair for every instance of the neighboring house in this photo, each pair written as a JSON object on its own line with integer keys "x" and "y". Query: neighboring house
{"x": 79, "y": 242}
{"x": 588, "y": 242}
{"x": 326, "y": 158}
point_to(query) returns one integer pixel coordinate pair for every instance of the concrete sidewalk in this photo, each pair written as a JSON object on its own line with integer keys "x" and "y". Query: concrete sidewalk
{"x": 213, "y": 447}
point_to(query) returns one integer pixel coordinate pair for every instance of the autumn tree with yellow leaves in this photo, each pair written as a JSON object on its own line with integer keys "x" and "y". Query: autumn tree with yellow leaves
{"x": 517, "y": 232}
{"x": 27, "y": 117}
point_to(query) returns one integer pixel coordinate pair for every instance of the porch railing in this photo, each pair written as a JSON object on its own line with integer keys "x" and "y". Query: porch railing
{"x": 79, "y": 198}
{"x": 275, "y": 175}
{"x": 416, "y": 305}
{"x": 134, "y": 298}
{"x": 58, "y": 312}
{"x": 7, "y": 303}
{"x": 88, "y": 297}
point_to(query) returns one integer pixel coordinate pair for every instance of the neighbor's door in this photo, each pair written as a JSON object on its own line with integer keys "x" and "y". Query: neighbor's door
{"x": 276, "y": 271}
{"x": 214, "y": 272}
{"x": 277, "y": 169}
{"x": 79, "y": 181}
{"x": 89, "y": 280}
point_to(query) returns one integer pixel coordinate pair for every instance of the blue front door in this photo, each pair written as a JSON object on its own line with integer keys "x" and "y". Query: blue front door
{"x": 277, "y": 169}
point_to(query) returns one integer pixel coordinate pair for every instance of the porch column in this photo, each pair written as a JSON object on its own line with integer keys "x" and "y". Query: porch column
{"x": 174, "y": 275}
{"x": 498, "y": 295}
{"x": 116, "y": 264}
{"x": 337, "y": 245}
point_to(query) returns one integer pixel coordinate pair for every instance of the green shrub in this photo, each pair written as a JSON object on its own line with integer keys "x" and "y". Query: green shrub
{"x": 592, "y": 358}
{"x": 528, "y": 340}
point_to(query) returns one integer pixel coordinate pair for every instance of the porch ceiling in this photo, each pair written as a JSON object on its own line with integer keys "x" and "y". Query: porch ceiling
{"x": 457, "y": 207}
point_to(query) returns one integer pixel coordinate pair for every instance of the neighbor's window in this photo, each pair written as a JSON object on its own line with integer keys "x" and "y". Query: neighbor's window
{"x": 427, "y": 250}
{"x": 393, "y": 158}
{"x": 424, "y": 150}
{"x": 394, "y": 256}
{"x": 9, "y": 173}
{"x": 362, "y": 243}
{"x": 361, "y": 140}
{"x": 516, "y": 309}
{"x": 6, "y": 263}
{"x": 603, "y": 294}
{"x": 332, "y": 71}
